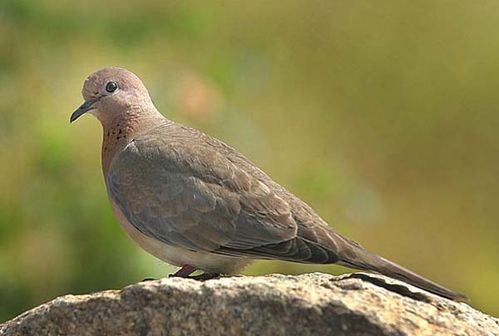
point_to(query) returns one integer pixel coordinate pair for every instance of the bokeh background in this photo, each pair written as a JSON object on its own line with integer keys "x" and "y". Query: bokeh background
{"x": 383, "y": 115}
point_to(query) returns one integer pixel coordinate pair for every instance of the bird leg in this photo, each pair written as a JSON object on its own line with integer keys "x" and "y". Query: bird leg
{"x": 183, "y": 272}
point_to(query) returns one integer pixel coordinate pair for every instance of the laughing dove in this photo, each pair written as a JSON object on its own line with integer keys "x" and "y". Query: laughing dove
{"x": 195, "y": 202}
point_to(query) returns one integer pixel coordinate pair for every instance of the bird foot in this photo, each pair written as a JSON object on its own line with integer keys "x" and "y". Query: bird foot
{"x": 186, "y": 270}
{"x": 200, "y": 277}
{"x": 205, "y": 276}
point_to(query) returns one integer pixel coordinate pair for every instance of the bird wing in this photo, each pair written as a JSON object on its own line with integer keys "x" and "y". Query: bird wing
{"x": 187, "y": 194}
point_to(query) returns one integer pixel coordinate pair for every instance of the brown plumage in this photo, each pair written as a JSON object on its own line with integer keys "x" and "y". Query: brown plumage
{"x": 195, "y": 202}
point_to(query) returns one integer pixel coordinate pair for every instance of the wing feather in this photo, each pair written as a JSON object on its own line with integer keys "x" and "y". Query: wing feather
{"x": 191, "y": 196}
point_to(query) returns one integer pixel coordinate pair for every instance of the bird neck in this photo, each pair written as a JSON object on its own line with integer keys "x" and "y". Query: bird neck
{"x": 118, "y": 133}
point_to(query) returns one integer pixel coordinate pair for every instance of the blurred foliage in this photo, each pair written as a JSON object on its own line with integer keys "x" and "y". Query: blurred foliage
{"x": 384, "y": 116}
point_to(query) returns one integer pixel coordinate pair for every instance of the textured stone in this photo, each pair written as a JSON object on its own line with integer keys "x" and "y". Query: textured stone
{"x": 309, "y": 304}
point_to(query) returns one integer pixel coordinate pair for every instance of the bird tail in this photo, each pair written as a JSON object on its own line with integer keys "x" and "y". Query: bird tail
{"x": 355, "y": 256}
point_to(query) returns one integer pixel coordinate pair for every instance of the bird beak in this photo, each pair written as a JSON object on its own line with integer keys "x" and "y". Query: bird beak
{"x": 85, "y": 107}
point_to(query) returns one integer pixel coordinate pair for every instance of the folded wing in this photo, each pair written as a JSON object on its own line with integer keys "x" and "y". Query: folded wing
{"x": 191, "y": 196}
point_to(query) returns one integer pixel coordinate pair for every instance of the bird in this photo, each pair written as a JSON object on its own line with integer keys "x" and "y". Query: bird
{"x": 195, "y": 202}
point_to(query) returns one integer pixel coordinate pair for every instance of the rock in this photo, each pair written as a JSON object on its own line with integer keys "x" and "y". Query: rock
{"x": 309, "y": 304}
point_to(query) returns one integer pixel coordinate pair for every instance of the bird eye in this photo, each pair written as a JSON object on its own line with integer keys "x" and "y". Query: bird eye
{"x": 111, "y": 86}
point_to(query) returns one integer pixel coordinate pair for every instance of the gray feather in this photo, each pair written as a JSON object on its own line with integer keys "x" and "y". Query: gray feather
{"x": 190, "y": 195}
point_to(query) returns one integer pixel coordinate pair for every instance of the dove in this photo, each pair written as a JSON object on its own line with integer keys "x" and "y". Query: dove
{"x": 195, "y": 202}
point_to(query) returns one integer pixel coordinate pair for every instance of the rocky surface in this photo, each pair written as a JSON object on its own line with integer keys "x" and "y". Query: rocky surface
{"x": 310, "y": 304}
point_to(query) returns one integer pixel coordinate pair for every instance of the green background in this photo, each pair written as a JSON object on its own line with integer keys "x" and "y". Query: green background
{"x": 382, "y": 115}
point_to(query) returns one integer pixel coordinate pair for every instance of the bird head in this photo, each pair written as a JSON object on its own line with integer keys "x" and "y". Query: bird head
{"x": 110, "y": 93}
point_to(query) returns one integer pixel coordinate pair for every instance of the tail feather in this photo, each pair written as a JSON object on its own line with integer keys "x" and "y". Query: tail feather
{"x": 355, "y": 256}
